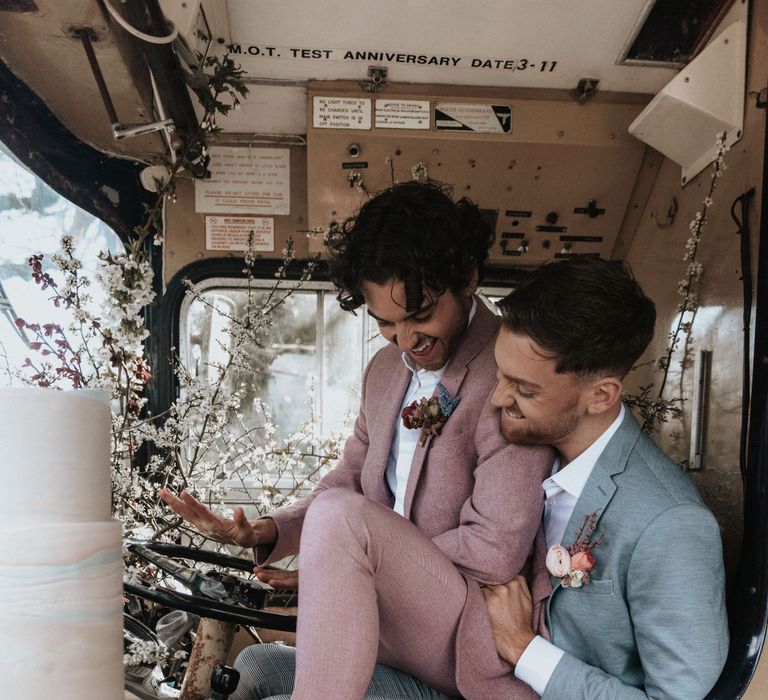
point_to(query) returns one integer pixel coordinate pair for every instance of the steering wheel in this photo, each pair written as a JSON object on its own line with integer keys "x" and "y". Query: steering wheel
{"x": 216, "y": 595}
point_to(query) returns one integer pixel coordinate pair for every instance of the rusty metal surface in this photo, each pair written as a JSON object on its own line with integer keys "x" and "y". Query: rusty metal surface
{"x": 214, "y": 639}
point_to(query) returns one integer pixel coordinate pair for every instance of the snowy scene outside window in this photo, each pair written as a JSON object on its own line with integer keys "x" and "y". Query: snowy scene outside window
{"x": 33, "y": 218}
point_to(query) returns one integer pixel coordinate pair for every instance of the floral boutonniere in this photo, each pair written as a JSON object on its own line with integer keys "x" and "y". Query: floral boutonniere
{"x": 572, "y": 565}
{"x": 430, "y": 414}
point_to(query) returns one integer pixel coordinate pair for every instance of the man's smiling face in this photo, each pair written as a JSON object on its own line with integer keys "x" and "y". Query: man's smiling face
{"x": 538, "y": 405}
{"x": 429, "y": 334}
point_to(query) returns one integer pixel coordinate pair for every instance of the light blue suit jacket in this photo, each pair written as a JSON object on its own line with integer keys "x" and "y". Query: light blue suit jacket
{"x": 651, "y": 622}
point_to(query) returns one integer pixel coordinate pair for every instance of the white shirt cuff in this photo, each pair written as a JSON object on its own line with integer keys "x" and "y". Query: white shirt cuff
{"x": 537, "y": 663}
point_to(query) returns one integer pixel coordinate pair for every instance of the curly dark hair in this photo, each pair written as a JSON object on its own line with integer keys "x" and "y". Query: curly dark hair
{"x": 591, "y": 314}
{"x": 412, "y": 232}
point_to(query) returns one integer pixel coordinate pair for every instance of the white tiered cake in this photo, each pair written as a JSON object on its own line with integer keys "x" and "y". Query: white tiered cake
{"x": 60, "y": 563}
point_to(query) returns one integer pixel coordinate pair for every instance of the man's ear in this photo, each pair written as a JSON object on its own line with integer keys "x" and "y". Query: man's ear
{"x": 471, "y": 288}
{"x": 605, "y": 393}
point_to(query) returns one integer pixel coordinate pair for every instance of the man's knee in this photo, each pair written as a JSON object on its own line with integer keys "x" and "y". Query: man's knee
{"x": 266, "y": 670}
{"x": 336, "y": 506}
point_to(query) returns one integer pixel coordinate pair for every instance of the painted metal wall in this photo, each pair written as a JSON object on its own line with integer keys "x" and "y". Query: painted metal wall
{"x": 656, "y": 252}
{"x": 656, "y": 255}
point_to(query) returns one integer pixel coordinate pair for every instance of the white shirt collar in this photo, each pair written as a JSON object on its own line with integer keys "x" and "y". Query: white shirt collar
{"x": 416, "y": 368}
{"x": 572, "y": 477}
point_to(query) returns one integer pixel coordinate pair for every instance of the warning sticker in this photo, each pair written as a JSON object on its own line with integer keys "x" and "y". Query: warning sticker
{"x": 482, "y": 118}
{"x": 246, "y": 181}
{"x": 341, "y": 113}
{"x": 233, "y": 232}
{"x": 402, "y": 114}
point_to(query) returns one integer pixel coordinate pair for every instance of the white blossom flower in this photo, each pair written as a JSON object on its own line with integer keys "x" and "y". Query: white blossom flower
{"x": 142, "y": 651}
{"x": 419, "y": 172}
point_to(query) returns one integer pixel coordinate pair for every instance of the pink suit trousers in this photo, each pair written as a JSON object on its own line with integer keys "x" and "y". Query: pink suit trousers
{"x": 373, "y": 587}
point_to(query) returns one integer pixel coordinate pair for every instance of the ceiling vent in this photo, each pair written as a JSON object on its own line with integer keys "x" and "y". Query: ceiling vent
{"x": 703, "y": 100}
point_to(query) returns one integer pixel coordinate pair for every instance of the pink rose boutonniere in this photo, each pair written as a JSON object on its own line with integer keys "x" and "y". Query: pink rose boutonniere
{"x": 573, "y": 564}
{"x": 430, "y": 414}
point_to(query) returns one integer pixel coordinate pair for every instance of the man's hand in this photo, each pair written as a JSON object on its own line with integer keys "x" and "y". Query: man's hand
{"x": 510, "y": 609}
{"x": 235, "y": 531}
{"x": 278, "y": 578}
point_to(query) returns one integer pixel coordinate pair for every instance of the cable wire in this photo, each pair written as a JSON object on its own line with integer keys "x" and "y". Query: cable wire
{"x": 169, "y": 39}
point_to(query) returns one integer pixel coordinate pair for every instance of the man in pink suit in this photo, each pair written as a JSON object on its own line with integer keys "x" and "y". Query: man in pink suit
{"x": 396, "y": 541}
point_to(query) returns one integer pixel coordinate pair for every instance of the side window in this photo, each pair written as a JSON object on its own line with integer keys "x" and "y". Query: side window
{"x": 33, "y": 219}
{"x": 299, "y": 392}
{"x": 310, "y": 365}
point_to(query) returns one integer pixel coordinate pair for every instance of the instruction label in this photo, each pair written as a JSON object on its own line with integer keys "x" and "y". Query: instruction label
{"x": 481, "y": 118}
{"x": 246, "y": 181}
{"x": 402, "y": 114}
{"x": 341, "y": 113}
{"x": 233, "y": 232}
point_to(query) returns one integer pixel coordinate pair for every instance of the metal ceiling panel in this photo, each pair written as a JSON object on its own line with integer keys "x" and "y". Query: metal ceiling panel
{"x": 522, "y": 44}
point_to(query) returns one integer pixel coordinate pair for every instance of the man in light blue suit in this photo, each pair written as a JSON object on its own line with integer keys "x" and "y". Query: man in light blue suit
{"x": 638, "y": 605}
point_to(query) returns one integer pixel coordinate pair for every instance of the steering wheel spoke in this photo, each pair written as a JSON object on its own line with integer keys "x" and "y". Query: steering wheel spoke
{"x": 217, "y": 595}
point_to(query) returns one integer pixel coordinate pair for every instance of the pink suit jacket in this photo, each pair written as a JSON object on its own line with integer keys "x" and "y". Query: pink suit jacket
{"x": 478, "y": 497}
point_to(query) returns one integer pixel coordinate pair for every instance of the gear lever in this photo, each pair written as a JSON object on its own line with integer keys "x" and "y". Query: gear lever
{"x": 224, "y": 680}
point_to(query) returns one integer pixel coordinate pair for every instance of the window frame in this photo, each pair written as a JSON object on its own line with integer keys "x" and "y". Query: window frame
{"x": 322, "y": 288}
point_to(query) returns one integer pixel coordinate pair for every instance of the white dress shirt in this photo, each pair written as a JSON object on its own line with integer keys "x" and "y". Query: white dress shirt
{"x": 537, "y": 663}
{"x": 422, "y": 386}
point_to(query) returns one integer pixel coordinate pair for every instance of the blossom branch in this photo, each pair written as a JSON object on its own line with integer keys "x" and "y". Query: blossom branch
{"x": 658, "y": 410}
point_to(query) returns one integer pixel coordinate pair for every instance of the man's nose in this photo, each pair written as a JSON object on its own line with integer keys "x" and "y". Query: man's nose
{"x": 499, "y": 398}
{"x": 405, "y": 338}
